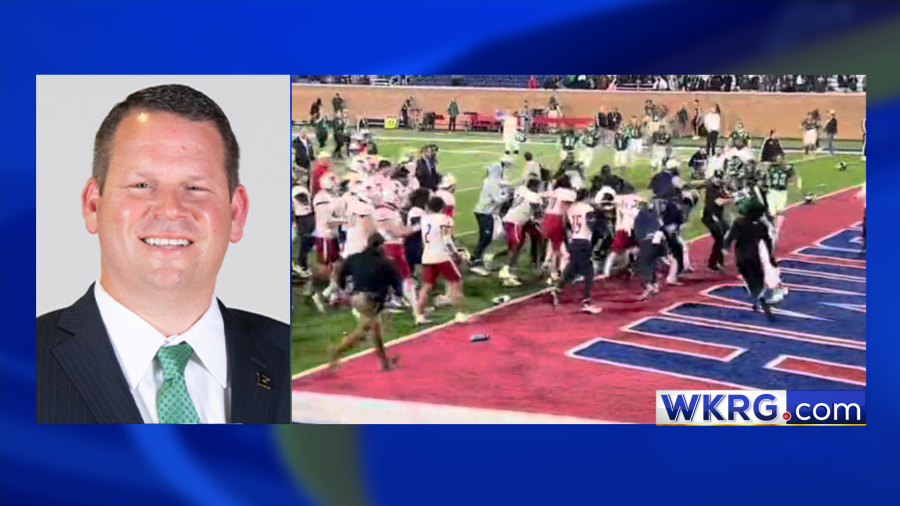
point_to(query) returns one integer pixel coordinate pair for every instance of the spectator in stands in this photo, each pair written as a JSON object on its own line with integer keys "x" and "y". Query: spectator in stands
{"x": 337, "y": 103}
{"x": 426, "y": 170}
{"x": 532, "y": 83}
{"x": 452, "y": 113}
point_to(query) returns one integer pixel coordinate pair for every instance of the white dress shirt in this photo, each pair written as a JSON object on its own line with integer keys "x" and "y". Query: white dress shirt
{"x": 136, "y": 343}
{"x": 712, "y": 122}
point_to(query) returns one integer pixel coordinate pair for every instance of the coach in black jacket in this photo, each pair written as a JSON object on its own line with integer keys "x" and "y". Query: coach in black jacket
{"x": 426, "y": 170}
{"x": 304, "y": 153}
{"x": 771, "y": 149}
{"x": 149, "y": 342}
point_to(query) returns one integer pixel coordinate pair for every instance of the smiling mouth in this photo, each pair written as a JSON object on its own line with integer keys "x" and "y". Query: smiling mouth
{"x": 166, "y": 243}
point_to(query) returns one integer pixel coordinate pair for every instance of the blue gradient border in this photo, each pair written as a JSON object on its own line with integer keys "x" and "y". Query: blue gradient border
{"x": 435, "y": 465}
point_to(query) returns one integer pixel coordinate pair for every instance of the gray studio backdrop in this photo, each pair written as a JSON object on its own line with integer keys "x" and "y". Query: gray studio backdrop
{"x": 255, "y": 275}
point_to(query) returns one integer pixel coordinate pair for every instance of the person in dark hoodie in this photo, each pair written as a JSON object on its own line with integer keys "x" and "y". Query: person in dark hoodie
{"x": 752, "y": 252}
{"x": 648, "y": 231}
{"x": 771, "y": 149}
{"x": 373, "y": 277}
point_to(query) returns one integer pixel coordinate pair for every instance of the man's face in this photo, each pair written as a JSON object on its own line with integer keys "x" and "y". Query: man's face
{"x": 165, "y": 218}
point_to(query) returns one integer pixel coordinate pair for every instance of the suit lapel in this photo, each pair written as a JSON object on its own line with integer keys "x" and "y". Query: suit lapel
{"x": 90, "y": 362}
{"x": 253, "y": 392}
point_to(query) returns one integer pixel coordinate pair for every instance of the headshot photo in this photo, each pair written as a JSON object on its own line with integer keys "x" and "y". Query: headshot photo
{"x": 161, "y": 250}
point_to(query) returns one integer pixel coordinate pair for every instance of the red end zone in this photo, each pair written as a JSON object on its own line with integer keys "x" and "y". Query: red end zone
{"x": 524, "y": 367}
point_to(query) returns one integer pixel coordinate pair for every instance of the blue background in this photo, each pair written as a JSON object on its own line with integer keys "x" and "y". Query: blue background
{"x": 435, "y": 465}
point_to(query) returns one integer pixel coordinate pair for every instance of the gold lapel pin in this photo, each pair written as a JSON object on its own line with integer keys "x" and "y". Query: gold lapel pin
{"x": 263, "y": 381}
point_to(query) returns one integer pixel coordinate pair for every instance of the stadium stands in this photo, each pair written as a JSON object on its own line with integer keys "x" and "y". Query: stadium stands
{"x": 728, "y": 83}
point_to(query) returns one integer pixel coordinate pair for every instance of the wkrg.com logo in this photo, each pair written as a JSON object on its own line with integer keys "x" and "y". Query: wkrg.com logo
{"x": 760, "y": 407}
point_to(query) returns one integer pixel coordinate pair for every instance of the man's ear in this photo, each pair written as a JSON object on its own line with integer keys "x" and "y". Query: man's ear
{"x": 240, "y": 205}
{"x": 90, "y": 196}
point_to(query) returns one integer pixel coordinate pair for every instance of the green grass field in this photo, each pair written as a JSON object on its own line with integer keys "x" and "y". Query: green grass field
{"x": 466, "y": 155}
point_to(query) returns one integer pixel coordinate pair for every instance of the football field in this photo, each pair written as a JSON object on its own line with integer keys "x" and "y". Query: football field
{"x": 466, "y": 155}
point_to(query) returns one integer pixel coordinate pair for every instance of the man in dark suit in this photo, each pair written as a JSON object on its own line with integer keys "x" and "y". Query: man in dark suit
{"x": 303, "y": 150}
{"x": 149, "y": 342}
{"x": 426, "y": 170}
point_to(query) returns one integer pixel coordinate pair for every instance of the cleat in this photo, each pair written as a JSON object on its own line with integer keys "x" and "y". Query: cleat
{"x": 421, "y": 320}
{"x": 461, "y": 318}
{"x": 511, "y": 281}
{"x": 481, "y": 271}
{"x": 442, "y": 301}
{"x": 587, "y": 307}
{"x": 319, "y": 302}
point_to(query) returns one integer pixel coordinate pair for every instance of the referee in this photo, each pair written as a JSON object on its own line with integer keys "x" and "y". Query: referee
{"x": 373, "y": 276}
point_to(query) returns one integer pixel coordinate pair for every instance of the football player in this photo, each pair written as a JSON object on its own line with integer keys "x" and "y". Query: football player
{"x": 778, "y": 177}
{"x": 623, "y": 243}
{"x": 650, "y": 238}
{"x": 810, "y": 130}
{"x": 740, "y": 138}
{"x": 568, "y": 140}
{"x": 327, "y": 208}
{"x": 579, "y": 216}
{"x": 662, "y": 141}
{"x": 552, "y": 226}
{"x": 389, "y": 224}
{"x": 518, "y": 223}
{"x": 446, "y": 191}
{"x": 621, "y": 143}
{"x": 510, "y": 133}
{"x": 437, "y": 262}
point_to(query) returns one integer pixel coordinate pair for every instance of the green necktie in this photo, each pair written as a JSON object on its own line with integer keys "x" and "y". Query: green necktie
{"x": 173, "y": 403}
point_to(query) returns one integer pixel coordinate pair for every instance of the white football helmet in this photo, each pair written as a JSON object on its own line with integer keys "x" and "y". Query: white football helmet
{"x": 448, "y": 182}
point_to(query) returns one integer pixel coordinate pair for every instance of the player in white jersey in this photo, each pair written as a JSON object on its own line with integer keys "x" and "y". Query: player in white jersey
{"x": 437, "y": 258}
{"x": 627, "y": 207}
{"x": 510, "y": 131}
{"x": 360, "y": 223}
{"x": 328, "y": 209}
{"x": 580, "y": 218}
{"x": 446, "y": 191}
{"x": 390, "y": 225}
{"x": 518, "y": 223}
{"x": 418, "y": 201}
{"x": 552, "y": 226}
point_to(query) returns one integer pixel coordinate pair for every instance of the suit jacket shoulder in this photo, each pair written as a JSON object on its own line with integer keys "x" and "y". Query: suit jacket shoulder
{"x": 79, "y": 379}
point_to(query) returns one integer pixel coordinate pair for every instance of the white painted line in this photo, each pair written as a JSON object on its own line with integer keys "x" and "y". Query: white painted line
{"x": 315, "y": 408}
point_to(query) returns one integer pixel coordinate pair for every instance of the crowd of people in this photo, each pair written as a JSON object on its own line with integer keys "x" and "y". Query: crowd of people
{"x": 383, "y": 230}
{"x": 784, "y": 83}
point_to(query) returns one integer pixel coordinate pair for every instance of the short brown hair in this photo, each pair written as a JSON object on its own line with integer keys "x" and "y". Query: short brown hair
{"x": 177, "y": 99}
